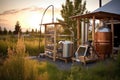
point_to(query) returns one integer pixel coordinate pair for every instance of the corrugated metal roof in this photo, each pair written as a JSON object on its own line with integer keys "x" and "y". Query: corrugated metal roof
{"x": 110, "y": 10}
{"x": 111, "y": 7}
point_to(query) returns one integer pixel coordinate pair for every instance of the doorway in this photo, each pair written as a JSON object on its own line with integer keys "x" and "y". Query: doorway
{"x": 116, "y": 35}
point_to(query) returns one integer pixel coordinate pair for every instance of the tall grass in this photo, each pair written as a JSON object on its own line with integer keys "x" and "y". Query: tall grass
{"x": 6, "y": 41}
{"x": 3, "y": 48}
{"x": 17, "y": 66}
{"x": 108, "y": 70}
{"x": 32, "y": 46}
{"x": 31, "y": 43}
{"x": 49, "y": 71}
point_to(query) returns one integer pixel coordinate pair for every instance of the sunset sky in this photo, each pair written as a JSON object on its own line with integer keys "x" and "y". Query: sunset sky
{"x": 29, "y": 12}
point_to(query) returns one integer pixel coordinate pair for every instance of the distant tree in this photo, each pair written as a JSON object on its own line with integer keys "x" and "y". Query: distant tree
{"x": 35, "y": 30}
{"x": 32, "y": 31}
{"x": 5, "y": 31}
{"x": 17, "y": 28}
{"x": 9, "y": 32}
{"x": 0, "y": 30}
{"x": 27, "y": 32}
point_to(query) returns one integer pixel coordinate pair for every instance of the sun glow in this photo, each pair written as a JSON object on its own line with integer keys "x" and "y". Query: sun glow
{"x": 33, "y": 20}
{"x": 30, "y": 19}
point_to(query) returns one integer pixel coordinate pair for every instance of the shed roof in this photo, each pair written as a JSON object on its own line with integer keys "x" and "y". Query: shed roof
{"x": 111, "y": 7}
{"x": 110, "y": 10}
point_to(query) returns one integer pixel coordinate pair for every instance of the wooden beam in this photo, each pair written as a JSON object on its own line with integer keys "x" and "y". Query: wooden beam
{"x": 45, "y": 36}
{"x": 78, "y": 32}
{"x": 55, "y": 45}
{"x": 93, "y": 30}
{"x": 84, "y": 31}
{"x": 112, "y": 30}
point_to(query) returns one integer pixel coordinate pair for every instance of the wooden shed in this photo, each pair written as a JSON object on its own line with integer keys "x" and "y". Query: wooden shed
{"x": 110, "y": 13}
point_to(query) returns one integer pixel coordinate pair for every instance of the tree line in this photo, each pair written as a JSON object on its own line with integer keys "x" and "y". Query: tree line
{"x": 17, "y": 30}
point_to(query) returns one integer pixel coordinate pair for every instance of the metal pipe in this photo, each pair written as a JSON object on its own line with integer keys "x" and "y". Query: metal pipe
{"x": 42, "y": 20}
{"x": 86, "y": 32}
{"x": 82, "y": 33}
{"x": 100, "y": 3}
{"x": 45, "y": 12}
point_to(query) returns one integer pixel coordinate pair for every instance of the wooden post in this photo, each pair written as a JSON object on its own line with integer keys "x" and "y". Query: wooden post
{"x": 93, "y": 33}
{"x": 84, "y": 31}
{"x": 112, "y": 30}
{"x": 45, "y": 38}
{"x": 78, "y": 32}
{"x": 93, "y": 30}
{"x": 55, "y": 36}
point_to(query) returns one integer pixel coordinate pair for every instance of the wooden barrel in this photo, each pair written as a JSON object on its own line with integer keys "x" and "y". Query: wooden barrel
{"x": 103, "y": 44}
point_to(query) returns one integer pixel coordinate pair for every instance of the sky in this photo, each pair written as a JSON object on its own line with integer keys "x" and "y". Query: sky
{"x": 29, "y": 12}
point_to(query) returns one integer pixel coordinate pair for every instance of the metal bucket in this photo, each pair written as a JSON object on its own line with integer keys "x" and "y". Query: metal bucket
{"x": 67, "y": 49}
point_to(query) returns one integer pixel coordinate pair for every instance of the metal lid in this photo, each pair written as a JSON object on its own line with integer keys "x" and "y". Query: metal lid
{"x": 65, "y": 42}
{"x": 103, "y": 29}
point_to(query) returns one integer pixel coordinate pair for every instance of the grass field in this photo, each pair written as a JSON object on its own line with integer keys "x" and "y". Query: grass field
{"x": 17, "y": 65}
{"x": 31, "y": 44}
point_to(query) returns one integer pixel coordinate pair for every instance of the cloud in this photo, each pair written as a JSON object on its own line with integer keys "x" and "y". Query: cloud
{"x": 14, "y": 11}
{"x": 8, "y": 18}
{"x": 31, "y": 8}
{"x": 3, "y": 20}
{"x": 9, "y": 12}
